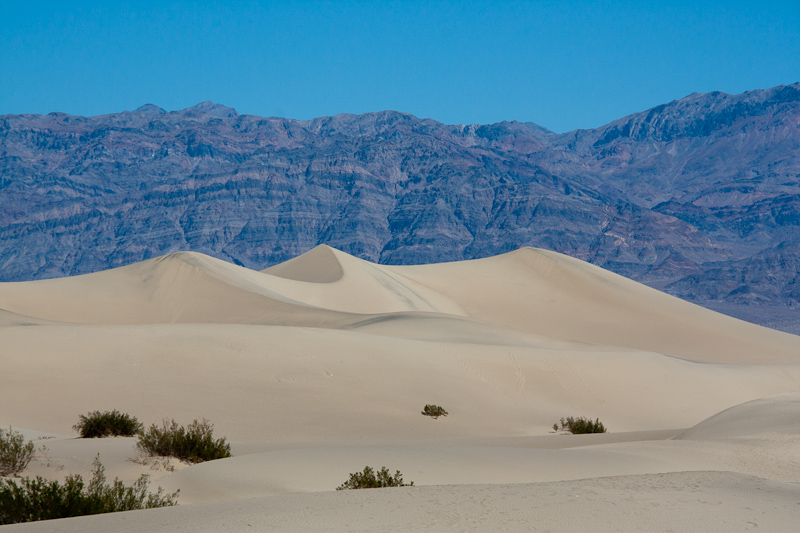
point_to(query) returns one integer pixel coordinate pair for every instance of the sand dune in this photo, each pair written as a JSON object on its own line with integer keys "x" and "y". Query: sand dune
{"x": 534, "y": 291}
{"x": 777, "y": 415}
{"x": 193, "y": 288}
{"x": 280, "y": 384}
{"x": 178, "y": 288}
{"x": 337, "y": 281}
{"x": 552, "y": 294}
{"x": 686, "y": 501}
{"x": 320, "y": 366}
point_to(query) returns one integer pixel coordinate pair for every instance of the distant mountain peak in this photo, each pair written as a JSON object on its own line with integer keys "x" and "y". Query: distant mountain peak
{"x": 212, "y": 109}
{"x": 150, "y": 109}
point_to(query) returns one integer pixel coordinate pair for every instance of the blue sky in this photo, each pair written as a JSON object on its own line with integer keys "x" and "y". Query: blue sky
{"x": 563, "y": 65}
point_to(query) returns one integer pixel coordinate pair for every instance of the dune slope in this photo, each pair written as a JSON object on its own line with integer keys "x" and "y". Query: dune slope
{"x": 551, "y": 294}
{"x": 320, "y": 366}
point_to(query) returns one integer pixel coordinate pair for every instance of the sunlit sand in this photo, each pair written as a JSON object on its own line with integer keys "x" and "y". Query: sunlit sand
{"x": 320, "y": 366}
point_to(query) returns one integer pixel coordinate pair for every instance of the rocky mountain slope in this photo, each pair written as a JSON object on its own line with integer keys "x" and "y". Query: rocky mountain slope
{"x": 700, "y": 195}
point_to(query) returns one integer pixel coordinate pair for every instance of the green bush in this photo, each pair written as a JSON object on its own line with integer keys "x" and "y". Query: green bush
{"x": 582, "y": 425}
{"x": 39, "y": 499}
{"x": 369, "y": 479}
{"x": 434, "y": 411}
{"x": 15, "y": 453}
{"x": 108, "y": 424}
{"x": 194, "y": 443}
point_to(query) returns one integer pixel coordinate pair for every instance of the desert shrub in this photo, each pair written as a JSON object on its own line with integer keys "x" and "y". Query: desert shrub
{"x": 38, "y": 499}
{"x": 369, "y": 479}
{"x": 108, "y": 424}
{"x": 434, "y": 411}
{"x": 581, "y": 425}
{"x": 194, "y": 443}
{"x": 15, "y": 453}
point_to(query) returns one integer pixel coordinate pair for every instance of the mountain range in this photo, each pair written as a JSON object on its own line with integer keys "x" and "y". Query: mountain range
{"x": 699, "y": 197}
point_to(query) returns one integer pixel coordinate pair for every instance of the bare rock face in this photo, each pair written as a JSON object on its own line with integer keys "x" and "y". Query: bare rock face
{"x": 693, "y": 195}
{"x": 768, "y": 277}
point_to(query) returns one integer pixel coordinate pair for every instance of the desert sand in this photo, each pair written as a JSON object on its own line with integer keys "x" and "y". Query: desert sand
{"x": 320, "y": 366}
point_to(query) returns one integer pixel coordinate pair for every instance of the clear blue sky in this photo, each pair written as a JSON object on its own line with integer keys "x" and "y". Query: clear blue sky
{"x": 563, "y": 65}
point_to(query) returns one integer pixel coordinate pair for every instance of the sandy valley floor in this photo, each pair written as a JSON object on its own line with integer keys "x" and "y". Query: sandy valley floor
{"x": 318, "y": 367}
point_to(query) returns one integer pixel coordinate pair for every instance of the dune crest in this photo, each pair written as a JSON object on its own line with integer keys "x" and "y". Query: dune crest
{"x": 183, "y": 287}
{"x": 9, "y": 318}
{"x": 331, "y": 279}
{"x": 189, "y": 287}
{"x": 318, "y": 265}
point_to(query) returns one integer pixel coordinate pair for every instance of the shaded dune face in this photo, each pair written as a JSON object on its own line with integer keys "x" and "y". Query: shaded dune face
{"x": 511, "y": 296}
{"x": 9, "y": 318}
{"x": 319, "y": 265}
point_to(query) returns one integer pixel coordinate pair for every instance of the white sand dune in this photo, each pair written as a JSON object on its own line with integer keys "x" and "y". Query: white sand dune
{"x": 320, "y": 366}
{"x": 775, "y": 416}
{"x": 551, "y": 294}
{"x": 534, "y": 291}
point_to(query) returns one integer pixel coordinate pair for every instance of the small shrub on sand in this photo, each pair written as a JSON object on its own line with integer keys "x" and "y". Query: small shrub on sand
{"x": 434, "y": 411}
{"x": 369, "y": 479}
{"x": 108, "y": 424}
{"x": 581, "y": 425}
{"x": 194, "y": 443}
{"x": 39, "y": 499}
{"x": 15, "y": 453}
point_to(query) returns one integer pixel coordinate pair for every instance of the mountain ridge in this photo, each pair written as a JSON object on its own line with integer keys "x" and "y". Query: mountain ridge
{"x": 687, "y": 188}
